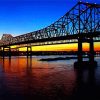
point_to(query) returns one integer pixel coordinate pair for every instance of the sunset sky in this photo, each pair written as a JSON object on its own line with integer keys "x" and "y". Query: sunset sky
{"x": 62, "y": 47}
{"x": 22, "y": 16}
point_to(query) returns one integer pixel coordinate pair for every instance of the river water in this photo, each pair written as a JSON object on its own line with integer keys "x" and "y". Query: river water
{"x": 23, "y": 78}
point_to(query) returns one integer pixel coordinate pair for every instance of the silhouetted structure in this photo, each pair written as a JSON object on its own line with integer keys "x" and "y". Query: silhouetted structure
{"x": 80, "y": 24}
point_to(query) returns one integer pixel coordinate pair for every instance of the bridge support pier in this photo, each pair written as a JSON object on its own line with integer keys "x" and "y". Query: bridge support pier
{"x": 17, "y": 49}
{"x": 91, "y": 53}
{"x": 0, "y": 51}
{"x": 9, "y": 51}
{"x": 80, "y": 50}
{"x": 3, "y": 51}
{"x": 29, "y": 51}
{"x": 91, "y": 63}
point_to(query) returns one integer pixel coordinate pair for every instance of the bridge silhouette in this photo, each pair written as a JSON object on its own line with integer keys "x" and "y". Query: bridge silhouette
{"x": 80, "y": 24}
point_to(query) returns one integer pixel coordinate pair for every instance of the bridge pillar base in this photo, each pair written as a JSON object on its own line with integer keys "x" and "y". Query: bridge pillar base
{"x": 29, "y": 51}
{"x": 85, "y": 64}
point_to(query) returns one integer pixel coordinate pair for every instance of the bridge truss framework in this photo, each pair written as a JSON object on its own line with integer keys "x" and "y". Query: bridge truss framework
{"x": 80, "y": 24}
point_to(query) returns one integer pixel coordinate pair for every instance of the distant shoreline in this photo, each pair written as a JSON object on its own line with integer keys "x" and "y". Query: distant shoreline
{"x": 58, "y": 58}
{"x": 45, "y": 53}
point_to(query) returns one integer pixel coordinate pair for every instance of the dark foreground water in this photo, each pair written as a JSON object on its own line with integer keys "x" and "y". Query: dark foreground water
{"x": 30, "y": 79}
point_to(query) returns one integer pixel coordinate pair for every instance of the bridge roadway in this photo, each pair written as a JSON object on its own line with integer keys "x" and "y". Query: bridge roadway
{"x": 72, "y": 39}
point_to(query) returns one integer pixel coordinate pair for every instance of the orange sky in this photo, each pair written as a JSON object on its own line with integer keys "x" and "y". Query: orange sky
{"x": 62, "y": 47}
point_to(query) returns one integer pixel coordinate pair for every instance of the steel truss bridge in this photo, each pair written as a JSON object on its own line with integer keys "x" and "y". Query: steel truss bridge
{"x": 78, "y": 25}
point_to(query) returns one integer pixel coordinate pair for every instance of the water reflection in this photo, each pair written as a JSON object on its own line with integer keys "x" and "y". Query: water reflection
{"x": 86, "y": 88}
{"x": 26, "y": 78}
{"x": 23, "y": 78}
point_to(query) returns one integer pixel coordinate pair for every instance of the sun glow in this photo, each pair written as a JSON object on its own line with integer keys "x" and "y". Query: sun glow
{"x": 62, "y": 47}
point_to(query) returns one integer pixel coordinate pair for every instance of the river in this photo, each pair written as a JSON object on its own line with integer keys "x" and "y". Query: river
{"x": 23, "y": 78}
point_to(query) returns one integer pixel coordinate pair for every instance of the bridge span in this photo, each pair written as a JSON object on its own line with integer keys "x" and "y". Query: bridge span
{"x": 80, "y": 24}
